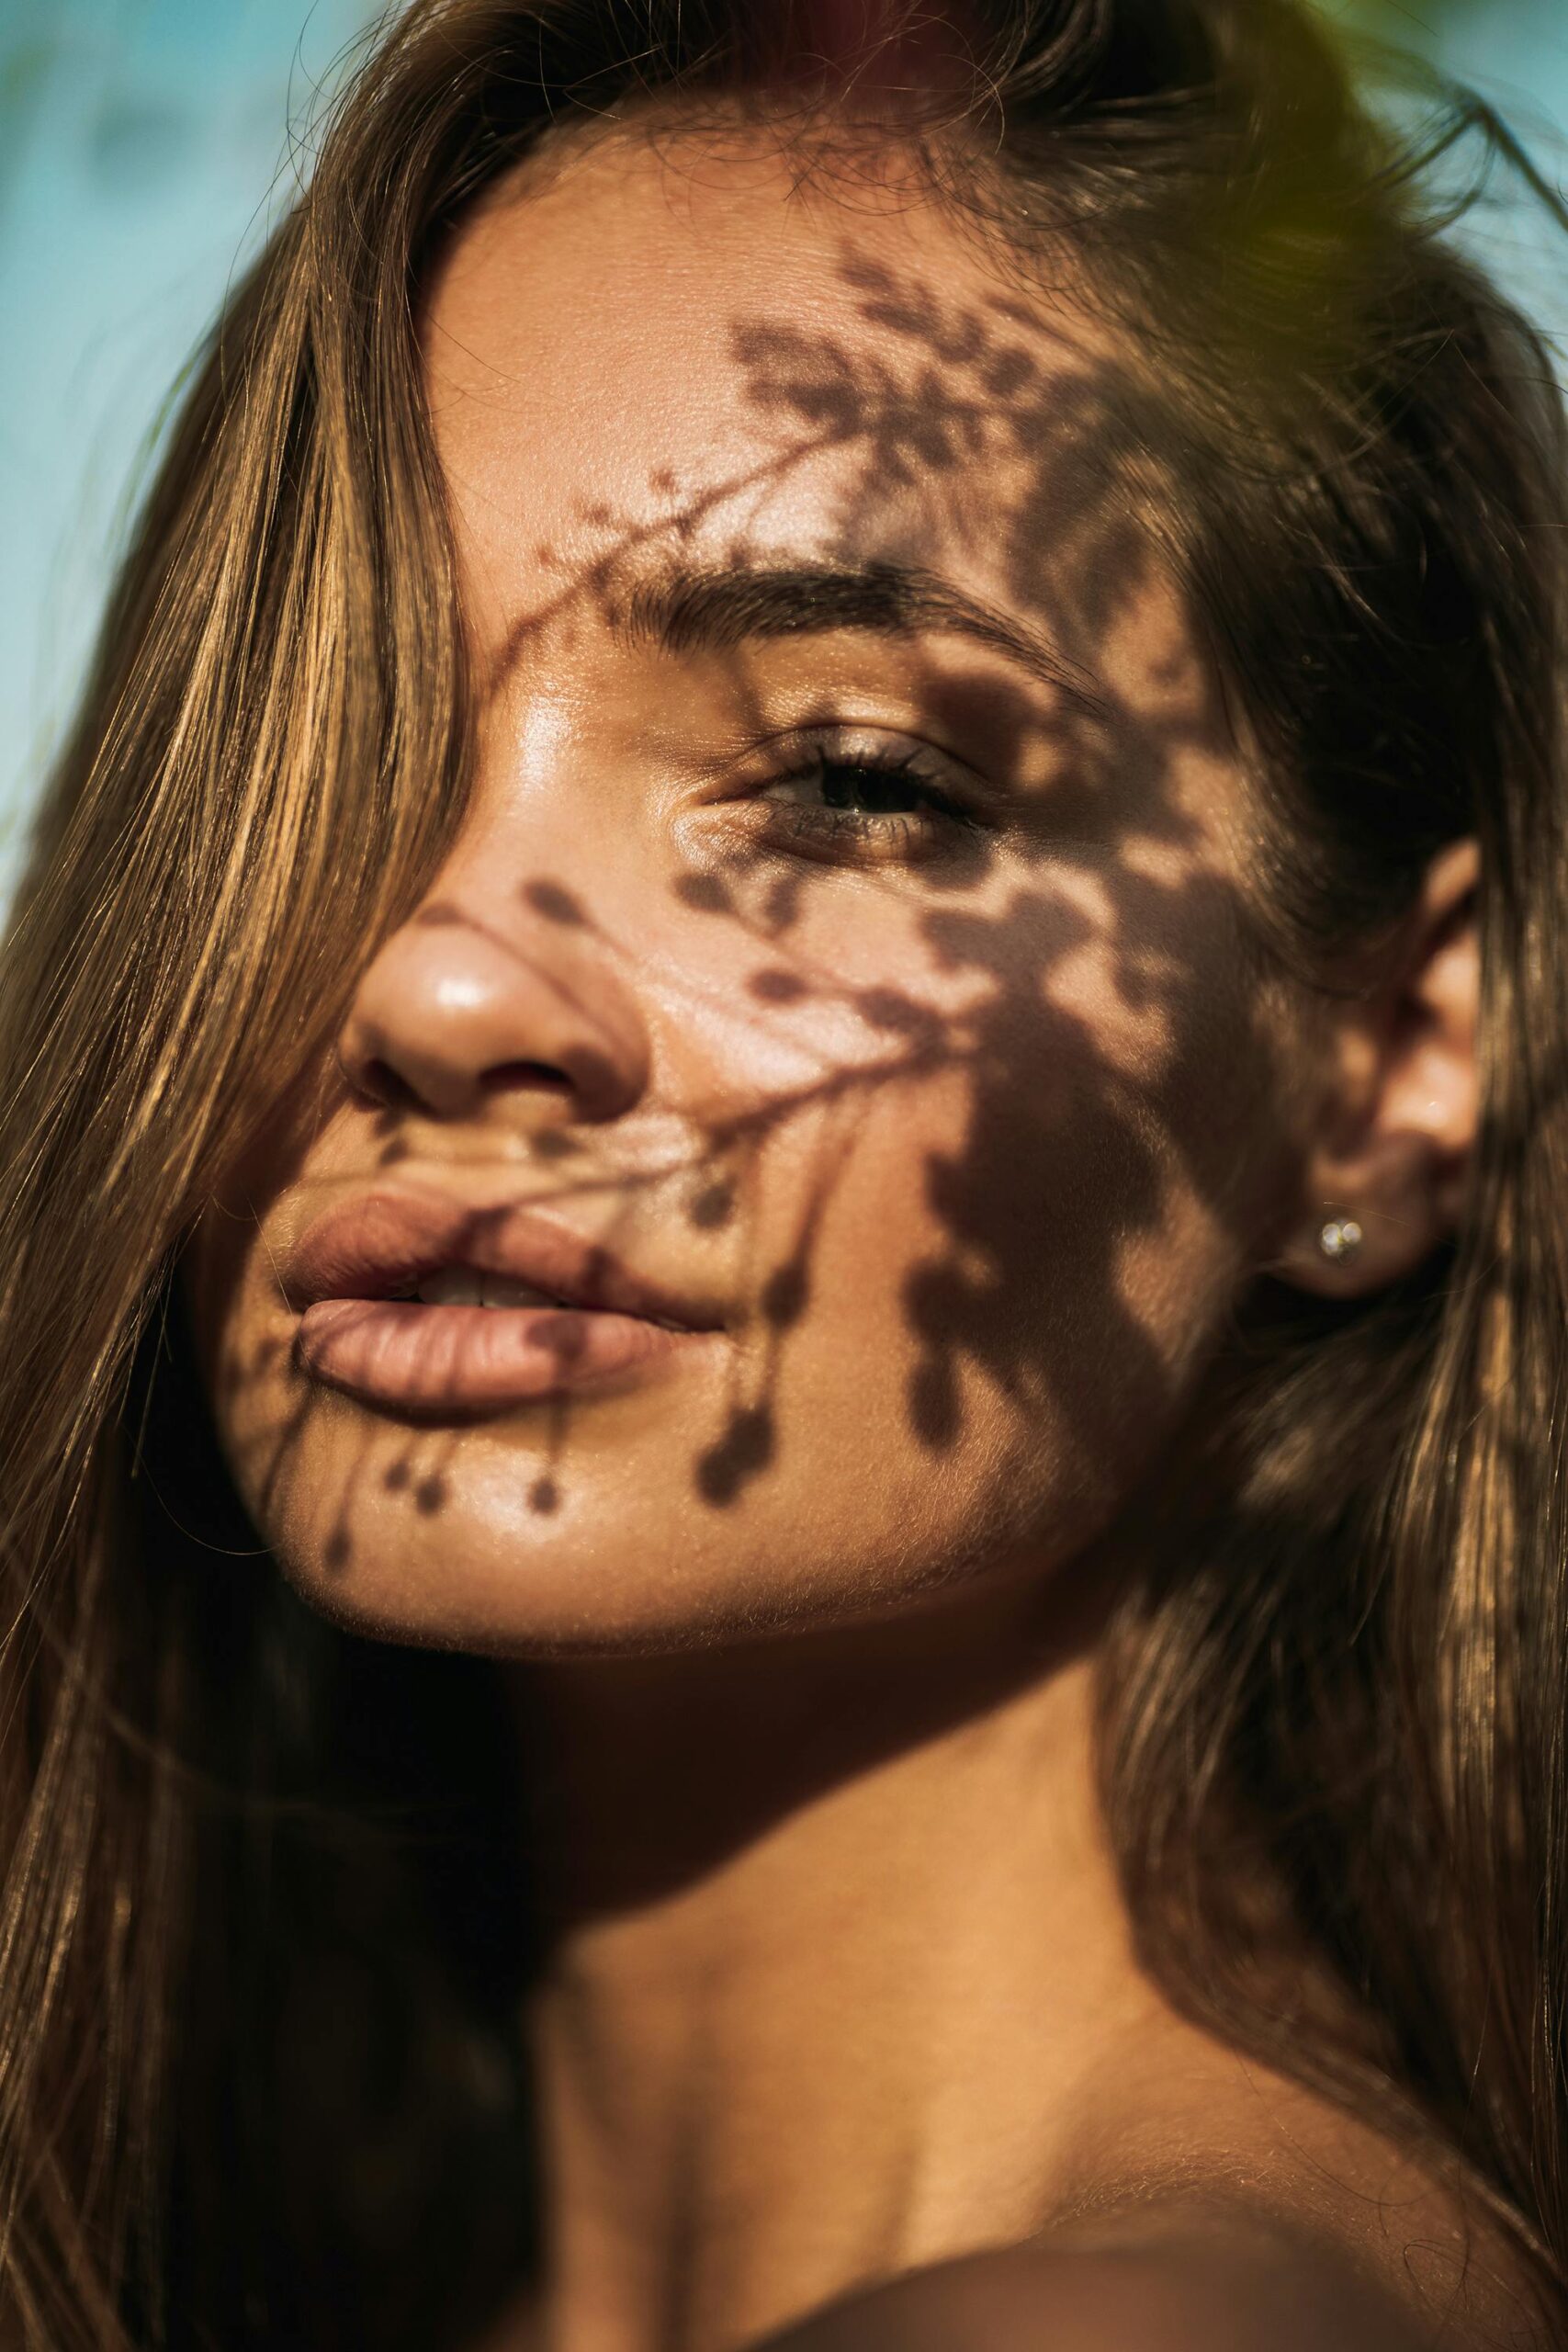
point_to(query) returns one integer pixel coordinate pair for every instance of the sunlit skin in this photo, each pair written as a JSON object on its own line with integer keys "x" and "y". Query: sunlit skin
{"x": 973, "y": 1126}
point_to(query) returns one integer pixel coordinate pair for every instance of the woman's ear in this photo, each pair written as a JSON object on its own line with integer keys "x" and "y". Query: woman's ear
{"x": 1387, "y": 1169}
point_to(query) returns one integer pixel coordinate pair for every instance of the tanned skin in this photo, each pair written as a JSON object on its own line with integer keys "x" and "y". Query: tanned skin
{"x": 974, "y": 1131}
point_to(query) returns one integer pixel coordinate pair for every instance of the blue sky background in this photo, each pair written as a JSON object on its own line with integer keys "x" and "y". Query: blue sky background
{"x": 145, "y": 145}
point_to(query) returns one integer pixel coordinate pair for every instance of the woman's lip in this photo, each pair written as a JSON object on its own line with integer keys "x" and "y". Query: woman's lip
{"x": 386, "y": 1240}
{"x": 439, "y": 1361}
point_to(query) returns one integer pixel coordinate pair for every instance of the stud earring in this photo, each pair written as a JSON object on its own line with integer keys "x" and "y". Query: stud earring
{"x": 1339, "y": 1239}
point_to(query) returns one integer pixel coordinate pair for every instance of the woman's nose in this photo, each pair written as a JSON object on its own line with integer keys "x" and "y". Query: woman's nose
{"x": 456, "y": 1010}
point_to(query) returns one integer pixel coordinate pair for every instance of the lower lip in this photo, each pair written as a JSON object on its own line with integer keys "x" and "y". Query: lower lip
{"x": 431, "y": 1360}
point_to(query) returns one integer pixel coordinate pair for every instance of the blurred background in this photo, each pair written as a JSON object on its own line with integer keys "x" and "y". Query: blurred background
{"x": 145, "y": 147}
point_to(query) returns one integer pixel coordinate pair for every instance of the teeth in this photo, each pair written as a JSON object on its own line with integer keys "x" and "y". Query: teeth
{"x": 503, "y": 1290}
{"x": 461, "y": 1286}
{"x": 453, "y": 1286}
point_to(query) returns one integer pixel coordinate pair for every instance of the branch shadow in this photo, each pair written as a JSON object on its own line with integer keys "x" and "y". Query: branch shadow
{"x": 1069, "y": 441}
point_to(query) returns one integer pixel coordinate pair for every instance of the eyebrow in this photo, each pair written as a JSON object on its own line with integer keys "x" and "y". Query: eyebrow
{"x": 710, "y": 609}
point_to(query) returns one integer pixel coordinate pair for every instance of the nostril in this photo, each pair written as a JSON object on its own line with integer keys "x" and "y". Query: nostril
{"x": 503, "y": 1074}
{"x": 384, "y": 1085}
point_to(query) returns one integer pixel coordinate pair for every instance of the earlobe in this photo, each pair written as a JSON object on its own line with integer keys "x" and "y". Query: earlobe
{"x": 1397, "y": 1129}
{"x": 1389, "y": 1210}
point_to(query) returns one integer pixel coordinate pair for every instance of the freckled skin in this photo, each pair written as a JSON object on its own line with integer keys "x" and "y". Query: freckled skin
{"x": 972, "y": 1127}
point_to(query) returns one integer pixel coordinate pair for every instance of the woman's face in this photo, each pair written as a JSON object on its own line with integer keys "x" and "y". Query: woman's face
{"x": 842, "y": 954}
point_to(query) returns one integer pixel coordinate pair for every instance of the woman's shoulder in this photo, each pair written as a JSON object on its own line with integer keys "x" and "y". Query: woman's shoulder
{"x": 1204, "y": 2279}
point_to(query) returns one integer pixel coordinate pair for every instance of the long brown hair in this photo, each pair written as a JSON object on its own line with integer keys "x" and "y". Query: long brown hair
{"x": 227, "y": 2116}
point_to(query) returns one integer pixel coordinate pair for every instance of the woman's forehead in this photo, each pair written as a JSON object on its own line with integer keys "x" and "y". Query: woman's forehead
{"x": 638, "y": 353}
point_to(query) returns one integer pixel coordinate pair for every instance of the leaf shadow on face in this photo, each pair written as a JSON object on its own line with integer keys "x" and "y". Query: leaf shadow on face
{"x": 1034, "y": 457}
{"x": 1016, "y": 448}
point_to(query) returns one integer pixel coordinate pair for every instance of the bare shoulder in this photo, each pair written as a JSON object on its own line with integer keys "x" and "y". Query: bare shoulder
{"x": 1195, "y": 2287}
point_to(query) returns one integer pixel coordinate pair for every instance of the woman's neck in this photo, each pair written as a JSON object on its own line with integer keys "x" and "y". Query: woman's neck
{"x": 839, "y": 1980}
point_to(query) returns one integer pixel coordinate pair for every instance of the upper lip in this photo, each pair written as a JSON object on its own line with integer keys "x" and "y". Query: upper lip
{"x": 381, "y": 1242}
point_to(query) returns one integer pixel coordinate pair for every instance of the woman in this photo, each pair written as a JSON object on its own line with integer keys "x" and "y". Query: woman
{"x": 785, "y": 1307}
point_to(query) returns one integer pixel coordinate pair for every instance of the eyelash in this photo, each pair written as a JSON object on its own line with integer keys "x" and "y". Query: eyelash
{"x": 945, "y": 819}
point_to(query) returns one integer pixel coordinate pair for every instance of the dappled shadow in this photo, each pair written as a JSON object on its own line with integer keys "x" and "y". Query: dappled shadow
{"x": 1076, "y": 952}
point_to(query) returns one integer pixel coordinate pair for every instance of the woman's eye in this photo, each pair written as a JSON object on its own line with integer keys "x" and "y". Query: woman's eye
{"x": 864, "y": 807}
